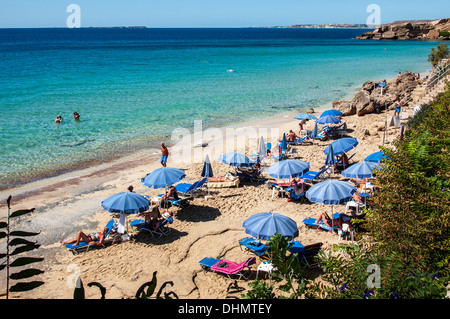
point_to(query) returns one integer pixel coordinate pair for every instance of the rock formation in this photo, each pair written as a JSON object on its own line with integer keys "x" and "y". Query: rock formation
{"x": 370, "y": 98}
{"x": 411, "y": 30}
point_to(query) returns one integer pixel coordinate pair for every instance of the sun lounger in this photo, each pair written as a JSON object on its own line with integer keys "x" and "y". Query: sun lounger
{"x": 279, "y": 156}
{"x": 254, "y": 246}
{"x": 311, "y": 223}
{"x": 208, "y": 262}
{"x": 309, "y": 255}
{"x": 254, "y": 178}
{"x": 296, "y": 247}
{"x": 302, "y": 140}
{"x": 188, "y": 189}
{"x": 163, "y": 229}
{"x": 222, "y": 182}
{"x": 181, "y": 202}
{"x": 313, "y": 175}
{"x": 84, "y": 246}
{"x": 228, "y": 267}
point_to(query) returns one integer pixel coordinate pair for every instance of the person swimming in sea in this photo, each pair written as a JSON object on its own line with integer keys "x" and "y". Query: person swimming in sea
{"x": 58, "y": 119}
{"x": 76, "y": 116}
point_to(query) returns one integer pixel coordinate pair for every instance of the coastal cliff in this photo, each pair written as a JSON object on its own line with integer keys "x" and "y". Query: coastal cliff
{"x": 370, "y": 97}
{"x": 411, "y": 30}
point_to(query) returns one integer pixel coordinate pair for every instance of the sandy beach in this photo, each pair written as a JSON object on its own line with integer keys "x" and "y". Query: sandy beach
{"x": 207, "y": 228}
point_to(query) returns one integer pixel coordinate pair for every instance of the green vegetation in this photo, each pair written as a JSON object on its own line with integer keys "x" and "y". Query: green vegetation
{"x": 412, "y": 213}
{"x": 436, "y": 55}
{"x": 444, "y": 33}
{"x": 21, "y": 245}
{"x": 408, "y": 227}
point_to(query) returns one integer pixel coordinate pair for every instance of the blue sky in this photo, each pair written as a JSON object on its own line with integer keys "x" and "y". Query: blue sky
{"x": 212, "y": 13}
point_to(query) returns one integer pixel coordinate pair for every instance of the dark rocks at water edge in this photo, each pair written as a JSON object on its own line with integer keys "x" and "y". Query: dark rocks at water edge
{"x": 369, "y": 96}
{"x": 411, "y": 30}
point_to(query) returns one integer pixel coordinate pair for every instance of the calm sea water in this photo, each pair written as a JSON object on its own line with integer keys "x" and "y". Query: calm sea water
{"x": 132, "y": 87}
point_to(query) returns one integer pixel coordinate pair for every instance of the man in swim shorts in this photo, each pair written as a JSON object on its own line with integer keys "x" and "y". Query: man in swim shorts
{"x": 164, "y": 154}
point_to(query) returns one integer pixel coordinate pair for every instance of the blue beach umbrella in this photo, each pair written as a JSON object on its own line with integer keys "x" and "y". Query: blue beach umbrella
{"x": 331, "y": 192}
{"x": 288, "y": 168}
{"x": 360, "y": 170}
{"x": 331, "y": 112}
{"x": 328, "y": 119}
{"x": 342, "y": 145}
{"x": 207, "y": 168}
{"x": 265, "y": 225}
{"x": 163, "y": 177}
{"x": 234, "y": 159}
{"x": 305, "y": 116}
{"x": 330, "y": 159}
{"x": 126, "y": 202}
{"x": 376, "y": 157}
{"x": 314, "y": 131}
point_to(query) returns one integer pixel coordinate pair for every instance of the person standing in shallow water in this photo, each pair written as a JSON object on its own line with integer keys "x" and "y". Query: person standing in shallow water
{"x": 164, "y": 154}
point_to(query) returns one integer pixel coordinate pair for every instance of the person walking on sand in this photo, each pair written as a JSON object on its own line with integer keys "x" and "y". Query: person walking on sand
{"x": 164, "y": 154}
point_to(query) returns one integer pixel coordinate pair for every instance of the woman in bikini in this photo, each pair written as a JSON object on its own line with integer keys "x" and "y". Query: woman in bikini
{"x": 95, "y": 238}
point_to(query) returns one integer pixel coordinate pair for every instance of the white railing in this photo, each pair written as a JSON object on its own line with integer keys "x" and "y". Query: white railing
{"x": 435, "y": 77}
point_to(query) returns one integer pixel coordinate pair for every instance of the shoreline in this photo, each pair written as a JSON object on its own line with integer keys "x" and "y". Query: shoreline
{"x": 207, "y": 228}
{"x": 136, "y": 159}
{"x": 70, "y": 174}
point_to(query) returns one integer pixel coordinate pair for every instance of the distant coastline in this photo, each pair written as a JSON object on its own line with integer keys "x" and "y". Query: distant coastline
{"x": 325, "y": 26}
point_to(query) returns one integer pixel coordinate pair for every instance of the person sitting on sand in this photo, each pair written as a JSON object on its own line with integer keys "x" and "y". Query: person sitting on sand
{"x": 95, "y": 238}
{"x": 291, "y": 136}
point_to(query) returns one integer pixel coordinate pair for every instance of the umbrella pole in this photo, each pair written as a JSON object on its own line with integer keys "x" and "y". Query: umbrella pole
{"x": 332, "y": 217}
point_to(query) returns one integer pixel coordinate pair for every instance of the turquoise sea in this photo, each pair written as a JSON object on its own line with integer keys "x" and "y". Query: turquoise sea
{"x": 132, "y": 87}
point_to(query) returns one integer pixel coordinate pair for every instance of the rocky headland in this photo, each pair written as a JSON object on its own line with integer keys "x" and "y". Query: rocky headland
{"x": 369, "y": 98}
{"x": 411, "y": 30}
